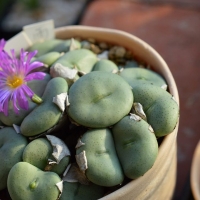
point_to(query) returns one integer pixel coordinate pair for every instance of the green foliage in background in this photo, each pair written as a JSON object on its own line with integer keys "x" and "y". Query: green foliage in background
{"x": 30, "y": 4}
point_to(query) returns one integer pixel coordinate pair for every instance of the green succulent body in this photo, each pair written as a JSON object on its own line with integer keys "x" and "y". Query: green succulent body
{"x": 115, "y": 144}
{"x": 82, "y": 59}
{"x": 104, "y": 168}
{"x": 47, "y": 114}
{"x": 99, "y": 99}
{"x": 105, "y": 65}
{"x": 39, "y": 151}
{"x": 26, "y": 181}
{"x": 136, "y": 146}
{"x": 77, "y": 191}
{"x": 48, "y": 58}
{"x": 11, "y": 150}
{"x": 161, "y": 109}
{"x": 134, "y": 74}
{"x": 45, "y": 46}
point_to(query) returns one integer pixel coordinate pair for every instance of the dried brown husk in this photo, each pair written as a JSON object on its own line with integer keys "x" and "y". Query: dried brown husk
{"x": 74, "y": 174}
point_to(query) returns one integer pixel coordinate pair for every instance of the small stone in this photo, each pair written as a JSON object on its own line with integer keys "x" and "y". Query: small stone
{"x": 103, "y": 45}
{"x": 120, "y": 52}
{"x": 111, "y": 53}
{"x": 95, "y": 49}
{"x": 91, "y": 40}
{"x": 85, "y": 44}
{"x": 103, "y": 55}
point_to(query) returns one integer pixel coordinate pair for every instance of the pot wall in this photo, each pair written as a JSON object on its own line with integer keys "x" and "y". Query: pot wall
{"x": 159, "y": 181}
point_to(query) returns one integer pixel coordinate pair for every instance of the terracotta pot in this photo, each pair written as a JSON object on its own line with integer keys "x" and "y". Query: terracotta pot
{"x": 195, "y": 173}
{"x": 159, "y": 181}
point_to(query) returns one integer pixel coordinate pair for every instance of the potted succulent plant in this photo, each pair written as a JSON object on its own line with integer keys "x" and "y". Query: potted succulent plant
{"x": 97, "y": 111}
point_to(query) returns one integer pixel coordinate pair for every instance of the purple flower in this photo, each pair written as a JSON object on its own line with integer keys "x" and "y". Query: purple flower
{"x": 14, "y": 75}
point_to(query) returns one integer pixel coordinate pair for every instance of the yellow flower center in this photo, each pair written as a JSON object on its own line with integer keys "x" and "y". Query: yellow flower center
{"x": 14, "y": 81}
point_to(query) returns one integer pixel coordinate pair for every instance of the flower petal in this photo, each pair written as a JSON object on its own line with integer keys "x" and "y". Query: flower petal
{"x": 6, "y": 64}
{"x": 27, "y": 91}
{"x": 2, "y": 44}
{"x": 4, "y": 94}
{"x": 14, "y": 100}
{"x": 14, "y": 69}
{"x": 31, "y": 55}
{"x": 33, "y": 66}
{"x": 22, "y": 100}
{"x": 4, "y": 98}
{"x": 35, "y": 75}
{"x": 5, "y": 106}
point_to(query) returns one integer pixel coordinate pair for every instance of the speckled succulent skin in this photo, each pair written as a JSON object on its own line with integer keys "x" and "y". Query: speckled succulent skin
{"x": 45, "y": 46}
{"x": 134, "y": 74}
{"x": 99, "y": 99}
{"x": 48, "y": 58}
{"x": 38, "y": 87}
{"x": 161, "y": 109}
{"x": 39, "y": 151}
{"x": 26, "y": 181}
{"x": 103, "y": 165}
{"x": 82, "y": 59}
{"x": 47, "y": 114}
{"x": 136, "y": 146}
{"x": 105, "y": 65}
{"x": 77, "y": 191}
{"x": 11, "y": 150}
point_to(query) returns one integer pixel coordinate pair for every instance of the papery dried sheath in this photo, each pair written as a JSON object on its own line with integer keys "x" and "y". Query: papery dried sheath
{"x": 74, "y": 174}
{"x": 79, "y": 143}
{"x": 60, "y": 150}
{"x": 139, "y": 110}
{"x": 135, "y": 117}
{"x": 59, "y": 100}
{"x": 82, "y": 161}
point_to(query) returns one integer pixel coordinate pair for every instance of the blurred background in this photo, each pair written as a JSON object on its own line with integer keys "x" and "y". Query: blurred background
{"x": 172, "y": 27}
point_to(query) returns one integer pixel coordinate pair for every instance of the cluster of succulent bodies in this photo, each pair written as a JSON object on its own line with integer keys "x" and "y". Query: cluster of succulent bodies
{"x": 97, "y": 126}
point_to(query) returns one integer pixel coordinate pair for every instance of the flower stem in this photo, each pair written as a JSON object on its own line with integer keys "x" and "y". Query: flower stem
{"x": 37, "y": 99}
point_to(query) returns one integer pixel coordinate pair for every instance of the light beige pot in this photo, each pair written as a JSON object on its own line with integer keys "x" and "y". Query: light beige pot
{"x": 159, "y": 181}
{"x": 195, "y": 173}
